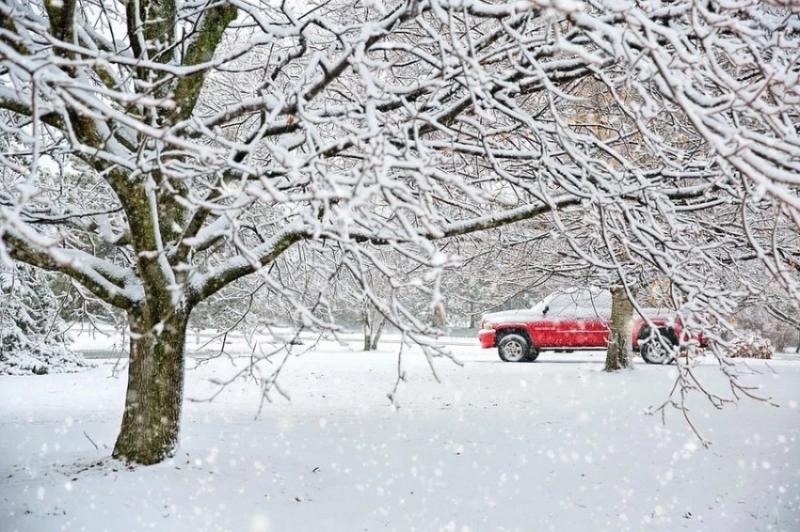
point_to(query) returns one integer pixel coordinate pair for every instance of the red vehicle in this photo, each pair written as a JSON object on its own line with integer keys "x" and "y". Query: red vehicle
{"x": 570, "y": 320}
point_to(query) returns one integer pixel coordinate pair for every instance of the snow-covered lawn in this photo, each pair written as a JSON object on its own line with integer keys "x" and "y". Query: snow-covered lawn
{"x": 555, "y": 445}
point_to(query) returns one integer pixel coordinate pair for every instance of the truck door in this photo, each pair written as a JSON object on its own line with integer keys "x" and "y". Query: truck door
{"x": 594, "y": 316}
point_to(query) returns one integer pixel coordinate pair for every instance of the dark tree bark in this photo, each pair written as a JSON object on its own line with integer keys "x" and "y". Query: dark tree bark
{"x": 376, "y": 333}
{"x": 151, "y": 419}
{"x": 373, "y": 327}
{"x": 473, "y": 318}
{"x": 367, "y": 333}
{"x": 619, "y": 354}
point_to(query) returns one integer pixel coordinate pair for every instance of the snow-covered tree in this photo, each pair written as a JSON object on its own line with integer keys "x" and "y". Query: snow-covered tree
{"x": 218, "y": 139}
{"x": 32, "y": 332}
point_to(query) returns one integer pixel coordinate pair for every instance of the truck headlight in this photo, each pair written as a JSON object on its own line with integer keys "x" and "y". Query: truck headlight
{"x": 488, "y": 326}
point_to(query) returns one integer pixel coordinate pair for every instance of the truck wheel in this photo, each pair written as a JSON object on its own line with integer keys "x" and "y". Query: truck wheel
{"x": 514, "y": 348}
{"x": 653, "y": 350}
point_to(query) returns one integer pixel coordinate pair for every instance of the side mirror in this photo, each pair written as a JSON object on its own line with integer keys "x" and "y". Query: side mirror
{"x": 545, "y": 309}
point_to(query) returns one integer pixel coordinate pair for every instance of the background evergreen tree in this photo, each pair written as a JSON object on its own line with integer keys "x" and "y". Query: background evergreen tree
{"x": 32, "y": 331}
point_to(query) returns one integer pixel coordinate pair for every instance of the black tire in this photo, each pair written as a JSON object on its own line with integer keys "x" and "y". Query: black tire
{"x": 652, "y": 348}
{"x": 514, "y": 348}
{"x": 533, "y": 354}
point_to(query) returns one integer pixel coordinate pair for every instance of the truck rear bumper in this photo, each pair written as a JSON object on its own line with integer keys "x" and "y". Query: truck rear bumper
{"x": 486, "y": 338}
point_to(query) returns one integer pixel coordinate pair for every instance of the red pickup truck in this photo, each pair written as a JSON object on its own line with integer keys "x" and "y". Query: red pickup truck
{"x": 574, "y": 319}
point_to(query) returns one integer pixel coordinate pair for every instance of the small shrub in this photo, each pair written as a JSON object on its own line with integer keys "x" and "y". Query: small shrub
{"x": 752, "y": 347}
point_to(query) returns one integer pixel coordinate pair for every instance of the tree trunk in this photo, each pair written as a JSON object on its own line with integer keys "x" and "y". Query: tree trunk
{"x": 473, "y": 319}
{"x": 373, "y": 327}
{"x": 151, "y": 418}
{"x": 367, "y": 343}
{"x": 377, "y": 330}
{"x": 620, "y": 351}
{"x": 439, "y": 315}
{"x": 367, "y": 326}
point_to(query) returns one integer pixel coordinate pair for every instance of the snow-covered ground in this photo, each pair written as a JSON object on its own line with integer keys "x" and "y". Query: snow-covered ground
{"x": 555, "y": 445}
